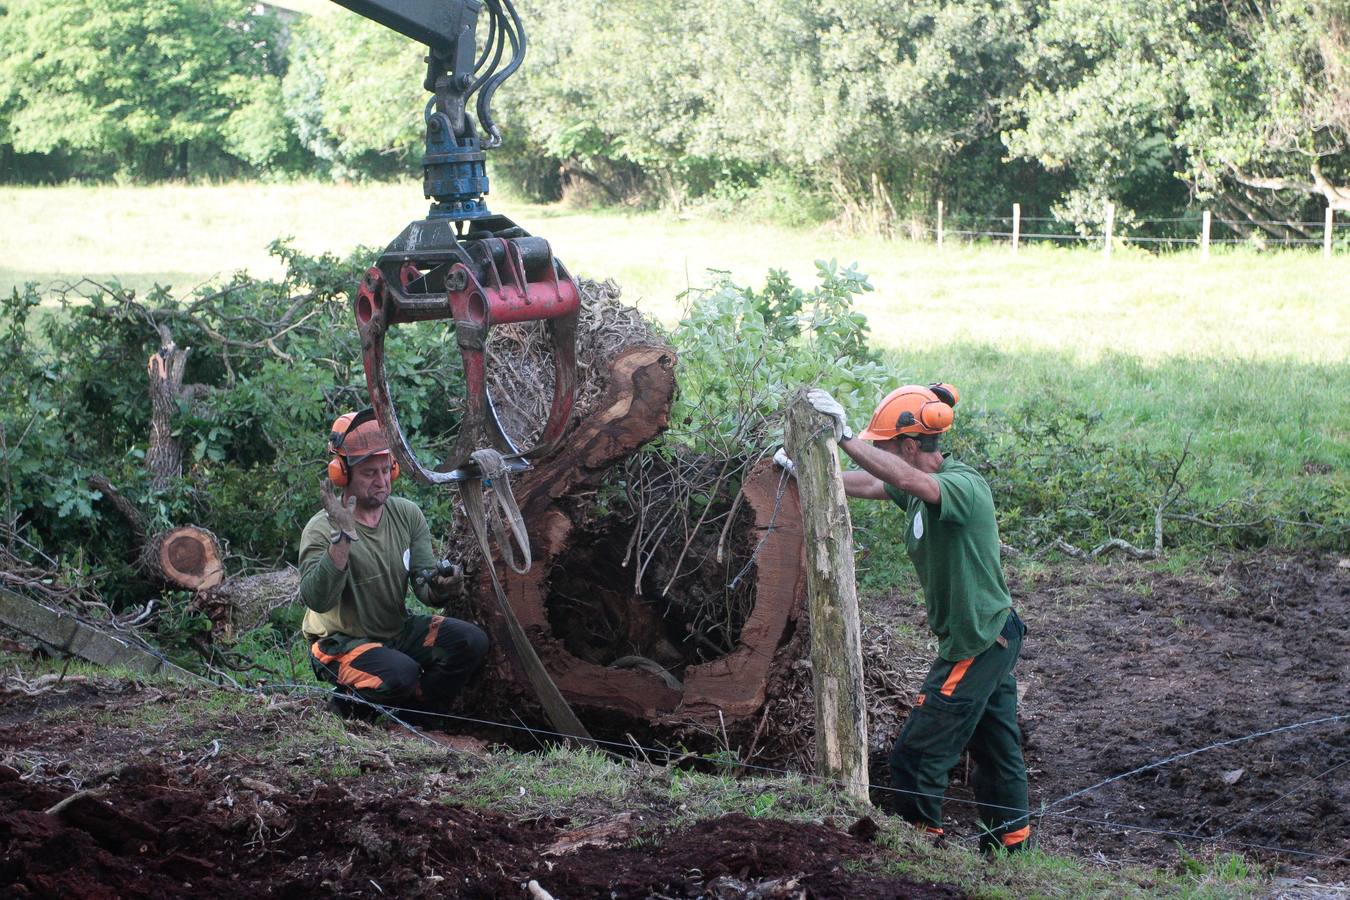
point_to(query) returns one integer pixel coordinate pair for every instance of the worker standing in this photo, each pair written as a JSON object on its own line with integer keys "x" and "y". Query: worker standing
{"x": 357, "y": 558}
{"x": 969, "y": 698}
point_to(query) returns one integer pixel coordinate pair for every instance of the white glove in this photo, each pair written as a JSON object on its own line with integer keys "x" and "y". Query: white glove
{"x": 781, "y": 460}
{"x": 823, "y": 403}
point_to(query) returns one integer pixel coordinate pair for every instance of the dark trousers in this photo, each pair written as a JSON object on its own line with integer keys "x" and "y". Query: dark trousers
{"x": 967, "y": 704}
{"x": 427, "y": 663}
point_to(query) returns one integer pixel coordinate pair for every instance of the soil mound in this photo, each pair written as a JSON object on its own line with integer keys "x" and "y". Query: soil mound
{"x": 150, "y": 834}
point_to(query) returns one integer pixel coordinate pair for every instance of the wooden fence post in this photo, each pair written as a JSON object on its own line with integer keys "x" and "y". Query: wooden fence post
{"x": 1326, "y": 233}
{"x": 836, "y": 632}
{"x": 1017, "y": 226}
{"x": 1109, "y": 228}
{"x": 939, "y": 225}
{"x": 1204, "y": 235}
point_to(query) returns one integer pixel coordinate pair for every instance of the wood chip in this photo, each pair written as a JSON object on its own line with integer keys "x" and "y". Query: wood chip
{"x": 609, "y": 833}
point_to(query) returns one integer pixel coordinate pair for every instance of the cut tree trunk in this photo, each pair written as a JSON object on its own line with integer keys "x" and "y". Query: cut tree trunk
{"x": 187, "y": 557}
{"x": 656, "y": 684}
{"x": 164, "y": 455}
{"x": 240, "y": 604}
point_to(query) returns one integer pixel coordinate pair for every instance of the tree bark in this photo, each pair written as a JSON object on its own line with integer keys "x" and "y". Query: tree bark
{"x": 237, "y": 605}
{"x": 164, "y": 456}
{"x": 836, "y": 631}
{"x": 723, "y": 693}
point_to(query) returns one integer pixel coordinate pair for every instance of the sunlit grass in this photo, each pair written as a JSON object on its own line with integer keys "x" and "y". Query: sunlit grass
{"x": 1239, "y": 305}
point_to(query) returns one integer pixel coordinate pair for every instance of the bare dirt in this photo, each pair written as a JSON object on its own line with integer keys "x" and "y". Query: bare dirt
{"x": 157, "y": 833}
{"x": 1123, "y": 667}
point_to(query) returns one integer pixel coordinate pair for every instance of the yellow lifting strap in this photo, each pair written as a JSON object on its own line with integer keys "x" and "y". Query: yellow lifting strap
{"x": 493, "y": 471}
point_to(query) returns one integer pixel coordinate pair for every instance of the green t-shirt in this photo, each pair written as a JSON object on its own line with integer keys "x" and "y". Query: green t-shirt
{"x": 955, "y": 549}
{"x": 365, "y": 600}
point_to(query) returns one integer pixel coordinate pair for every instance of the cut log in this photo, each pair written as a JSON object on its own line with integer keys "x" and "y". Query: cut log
{"x": 241, "y": 604}
{"x": 69, "y": 635}
{"x": 651, "y": 676}
{"x": 187, "y": 557}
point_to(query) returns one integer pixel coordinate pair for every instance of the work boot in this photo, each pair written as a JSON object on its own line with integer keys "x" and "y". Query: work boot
{"x": 992, "y": 847}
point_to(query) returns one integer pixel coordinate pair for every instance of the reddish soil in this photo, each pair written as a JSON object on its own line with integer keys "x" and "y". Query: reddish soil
{"x": 1123, "y": 668}
{"x": 150, "y": 832}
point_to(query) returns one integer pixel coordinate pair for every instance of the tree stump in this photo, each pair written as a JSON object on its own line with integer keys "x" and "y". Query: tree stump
{"x": 649, "y": 678}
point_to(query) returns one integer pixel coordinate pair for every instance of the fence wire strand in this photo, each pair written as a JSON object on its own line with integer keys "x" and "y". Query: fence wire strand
{"x": 1040, "y": 814}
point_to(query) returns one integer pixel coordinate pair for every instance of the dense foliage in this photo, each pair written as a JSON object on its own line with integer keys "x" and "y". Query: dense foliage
{"x": 276, "y": 362}
{"x": 866, "y": 110}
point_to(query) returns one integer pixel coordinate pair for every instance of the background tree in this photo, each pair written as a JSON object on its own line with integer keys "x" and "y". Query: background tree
{"x": 150, "y": 90}
{"x": 353, "y": 95}
{"x": 1276, "y": 117}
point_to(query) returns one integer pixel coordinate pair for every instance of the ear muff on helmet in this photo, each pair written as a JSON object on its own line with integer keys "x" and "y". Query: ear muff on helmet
{"x": 339, "y": 470}
{"x": 934, "y": 416}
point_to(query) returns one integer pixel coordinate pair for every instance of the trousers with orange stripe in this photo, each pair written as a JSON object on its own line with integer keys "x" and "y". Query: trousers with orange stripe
{"x": 426, "y": 664}
{"x": 969, "y": 704}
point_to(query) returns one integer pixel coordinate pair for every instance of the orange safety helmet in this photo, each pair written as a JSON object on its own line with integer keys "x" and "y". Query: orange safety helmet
{"x": 354, "y": 438}
{"x": 913, "y": 409}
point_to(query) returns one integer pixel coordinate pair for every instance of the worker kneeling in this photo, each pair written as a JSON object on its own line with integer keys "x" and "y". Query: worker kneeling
{"x": 357, "y": 558}
{"x": 969, "y": 698}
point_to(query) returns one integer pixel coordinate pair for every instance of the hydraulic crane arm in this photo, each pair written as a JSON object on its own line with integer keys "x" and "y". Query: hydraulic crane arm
{"x": 462, "y": 262}
{"x": 455, "y": 175}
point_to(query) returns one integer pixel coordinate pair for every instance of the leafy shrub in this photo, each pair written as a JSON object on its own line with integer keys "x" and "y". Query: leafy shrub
{"x": 277, "y": 361}
{"x": 744, "y": 352}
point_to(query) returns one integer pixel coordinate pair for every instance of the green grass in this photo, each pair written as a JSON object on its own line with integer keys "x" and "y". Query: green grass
{"x": 1279, "y": 426}
{"x": 1239, "y": 305}
{"x": 1244, "y": 355}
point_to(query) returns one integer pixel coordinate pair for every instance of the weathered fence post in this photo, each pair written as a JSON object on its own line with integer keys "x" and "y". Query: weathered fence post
{"x": 1110, "y": 226}
{"x": 1204, "y": 235}
{"x": 836, "y": 634}
{"x": 1017, "y": 226}
{"x": 939, "y": 225}
{"x": 1326, "y": 233}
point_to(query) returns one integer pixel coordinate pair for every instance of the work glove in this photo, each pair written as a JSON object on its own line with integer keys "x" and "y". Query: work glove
{"x": 341, "y": 513}
{"x": 823, "y": 403}
{"x": 448, "y": 588}
{"x": 781, "y": 460}
{"x": 444, "y": 583}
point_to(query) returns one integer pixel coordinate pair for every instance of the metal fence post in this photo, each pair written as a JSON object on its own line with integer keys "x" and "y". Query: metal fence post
{"x": 1204, "y": 235}
{"x": 1017, "y": 226}
{"x": 1110, "y": 227}
{"x": 1326, "y": 233}
{"x": 939, "y": 225}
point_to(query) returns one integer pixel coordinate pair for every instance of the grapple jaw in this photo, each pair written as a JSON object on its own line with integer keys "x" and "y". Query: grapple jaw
{"x": 492, "y": 274}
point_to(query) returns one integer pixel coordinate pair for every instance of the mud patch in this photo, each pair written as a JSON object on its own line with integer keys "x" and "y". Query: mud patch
{"x": 151, "y": 833}
{"x": 1124, "y": 667}
{"x": 737, "y": 856}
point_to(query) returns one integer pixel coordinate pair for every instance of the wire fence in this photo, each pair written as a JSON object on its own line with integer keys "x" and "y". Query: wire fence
{"x": 1198, "y": 231}
{"x": 1042, "y": 813}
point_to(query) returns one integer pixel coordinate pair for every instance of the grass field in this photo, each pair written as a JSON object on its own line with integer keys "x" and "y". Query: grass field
{"x": 1245, "y": 353}
{"x": 1238, "y": 305}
